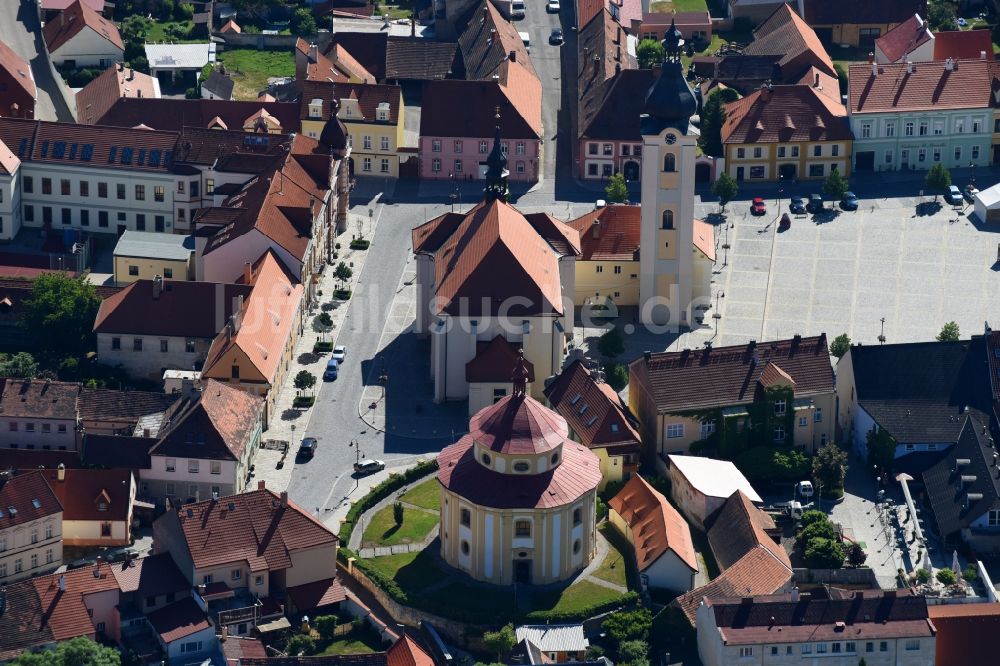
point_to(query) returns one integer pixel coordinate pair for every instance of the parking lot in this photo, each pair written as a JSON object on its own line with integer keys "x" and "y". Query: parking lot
{"x": 844, "y": 271}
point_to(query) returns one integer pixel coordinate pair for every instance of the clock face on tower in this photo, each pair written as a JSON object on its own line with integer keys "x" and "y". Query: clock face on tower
{"x": 670, "y": 138}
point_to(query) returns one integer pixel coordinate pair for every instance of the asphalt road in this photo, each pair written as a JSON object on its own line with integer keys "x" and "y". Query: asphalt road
{"x": 20, "y": 29}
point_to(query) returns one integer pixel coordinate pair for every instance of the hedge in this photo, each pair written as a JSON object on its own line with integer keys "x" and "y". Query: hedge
{"x": 548, "y": 617}
{"x": 380, "y": 492}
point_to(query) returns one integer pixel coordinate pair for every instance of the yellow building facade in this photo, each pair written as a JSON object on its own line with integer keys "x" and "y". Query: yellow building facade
{"x": 803, "y": 160}
{"x": 141, "y": 255}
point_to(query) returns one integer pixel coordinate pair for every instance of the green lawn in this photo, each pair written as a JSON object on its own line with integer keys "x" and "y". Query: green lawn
{"x": 383, "y": 531}
{"x": 426, "y": 495}
{"x": 412, "y": 571}
{"x": 251, "y": 68}
{"x": 579, "y": 596}
{"x": 666, "y": 6}
{"x": 363, "y": 642}
{"x": 613, "y": 568}
{"x": 158, "y": 33}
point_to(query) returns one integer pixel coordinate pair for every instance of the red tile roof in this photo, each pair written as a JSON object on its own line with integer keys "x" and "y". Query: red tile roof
{"x": 904, "y": 38}
{"x": 75, "y": 19}
{"x": 861, "y": 12}
{"x": 930, "y": 86}
{"x": 369, "y": 96}
{"x": 604, "y": 424}
{"x": 317, "y": 594}
{"x": 237, "y": 649}
{"x": 783, "y": 114}
{"x": 176, "y": 114}
{"x": 724, "y": 376}
{"x": 84, "y": 491}
{"x": 64, "y": 612}
{"x": 19, "y": 70}
{"x": 38, "y": 398}
{"x": 149, "y": 576}
{"x": 576, "y": 475}
{"x": 486, "y": 44}
{"x": 739, "y": 527}
{"x": 21, "y": 493}
{"x": 9, "y": 163}
{"x": 785, "y": 34}
{"x": 406, "y": 652}
{"x": 116, "y": 82}
{"x": 494, "y": 362}
{"x": 704, "y": 238}
{"x": 610, "y": 233}
{"x": 178, "y": 620}
{"x": 963, "y": 45}
{"x": 518, "y": 425}
{"x": 478, "y": 100}
{"x": 655, "y": 524}
{"x": 961, "y": 629}
{"x": 96, "y": 5}
{"x": 21, "y": 624}
{"x": 257, "y": 530}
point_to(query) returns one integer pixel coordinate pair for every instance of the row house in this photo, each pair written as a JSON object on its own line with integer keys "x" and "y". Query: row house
{"x": 116, "y": 82}
{"x": 98, "y": 505}
{"x": 899, "y": 125}
{"x": 857, "y": 22}
{"x": 31, "y": 526}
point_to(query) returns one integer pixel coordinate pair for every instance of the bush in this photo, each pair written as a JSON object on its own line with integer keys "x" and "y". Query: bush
{"x": 303, "y": 401}
{"x": 611, "y": 344}
{"x": 821, "y": 529}
{"x": 970, "y": 574}
{"x": 824, "y": 554}
{"x": 773, "y": 464}
{"x": 601, "y": 509}
{"x": 300, "y": 644}
{"x": 397, "y": 512}
{"x": 342, "y": 294}
{"x": 840, "y": 345}
{"x": 856, "y": 555}
{"x": 946, "y": 577}
{"x": 629, "y": 625}
{"x": 923, "y": 575}
{"x": 319, "y": 347}
{"x": 617, "y": 375}
{"x": 632, "y": 652}
{"x": 813, "y": 516}
{"x": 360, "y": 244}
{"x": 380, "y": 492}
{"x": 326, "y": 626}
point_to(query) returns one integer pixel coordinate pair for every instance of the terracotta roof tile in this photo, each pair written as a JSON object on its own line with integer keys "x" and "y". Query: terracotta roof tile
{"x": 785, "y": 34}
{"x": 604, "y": 424}
{"x": 316, "y": 594}
{"x": 406, "y": 652}
{"x": 960, "y": 632}
{"x": 149, "y": 576}
{"x": 518, "y": 425}
{"x": 494, "y": 362}
{"x": 19, "y": 70}
{"x": 116, "y": 82}
{"x": 367, "y": 48}
{"x": 219, "y": 425}
{"x": 419, "y": 59}
{"x": 486, "y": 43}
{"x": 231, "y": 26}
{"x": 256, "y": 530}
{"x": 783, "y": 114}
{"x": 610, "y": 233}
{"x": 65, "y": 612}
{"x": 38, "y": 398}
{"x": 368, "y": 96}
{"x": 175, "y": 114}
{"x": 269, "y": 314}
{"x": 704, "y": 238}
{"x": 610, "y": 100}
{"x": 725, "y": 376}
{"x": 22, "y": 493}
{"x": 84, "y": 491}
{"x": 825, "y": 84}
{"x": 343, "y": 59}
{"x": 479, "y": 100}
{"x": 739, "y": 527}
{"x": 179, "y": 619}
{"x": 929, "y": 86}
{"x": 861, "y": 12}
{"x": 963, "y": 45}
{"x": 904, "y": 38}
{"x": 655, "y": 524}
{"x": 75, "y": 19}
{"x": 9, "y": 162}
{"x": 21, "y": 625}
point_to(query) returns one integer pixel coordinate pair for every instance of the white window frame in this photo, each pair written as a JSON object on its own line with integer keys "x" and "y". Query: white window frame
{"x": 675, "y": 430}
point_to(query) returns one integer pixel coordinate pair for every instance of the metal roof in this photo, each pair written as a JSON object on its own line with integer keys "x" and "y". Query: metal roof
{"x": 154, "y": 245}
{"x": 554, "y": 637}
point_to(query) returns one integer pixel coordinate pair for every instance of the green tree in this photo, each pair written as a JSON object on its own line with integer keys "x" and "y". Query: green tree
{"x": 970, "y": 574}
{"x": 725, "y": 188}
{"x": 821, "y": 529}
{"x": 649, "y": 52}
{"x": 616, "y": 375}
{"x": 946, "y": 577}
{"x": 830, "y": 466}
{"x": 59, "y": 315}
{"x": 949, "y": 333}
{"x": 305, "y": 380}
{"x": 840, "y": 345}
{"x": 835, "y": 185}
{"x": 397, "y": 512}
{"x": 616, "y": 191}
{"x": 343, "y": 273}
{"x": 813, "y": 516}
{"x": 923, "y": 575}
{"x": 300, "y": 644}
{"x": 326, "y": 626}
{"x": 938, "y": 179}
{"x": 184, "y": 11}
{"x": 20, "y": 365}
{"x": 941, "y": 16}
{"x": 841, "y": 78}
{"x": 611, "y": 344}
{"x": 772, "y": 463}
{"x": 322, "y": 324}
{"x": 856, "y": 555}
{"x": 501, "y": 641}
{"x": 713, "y": 117}
{"x": 824, "y": 554}
{"x": 633, "y": 653}
{"x": 75, "y": 652}
{"x": 628, "y": 625}
{"x": 135, "y": 28}
{"x": 881, "y": 449}
{"x": 302, "y": 22}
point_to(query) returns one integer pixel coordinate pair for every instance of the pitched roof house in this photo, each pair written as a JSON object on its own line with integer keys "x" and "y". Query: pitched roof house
{"x": 910, "y": 40}
{"x": 960, "y": 631}
{"x": 80, "y": 37}
{"x": 701, "y": 486}
{"x": 176, "y": 114}
{"x": 857, "y": 22}
{"x": 97, "y": 505}
{"x": 786, "y": 35}
{"x": 660, "y": 537}
{"x": 18, "y": 84}
{"x": 404, "y": 652}
{"x": 30, "y": 526}
{"x": 116, "y": 82}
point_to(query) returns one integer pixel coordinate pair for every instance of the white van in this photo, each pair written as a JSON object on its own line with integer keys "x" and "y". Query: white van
{"x": 525, "y": 38}
{"x": 517, "y": 10}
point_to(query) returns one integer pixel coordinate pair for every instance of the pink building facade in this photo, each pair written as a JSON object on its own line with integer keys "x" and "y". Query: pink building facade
{"x": 464, "y": 158}
{"x": 600, "y": 159}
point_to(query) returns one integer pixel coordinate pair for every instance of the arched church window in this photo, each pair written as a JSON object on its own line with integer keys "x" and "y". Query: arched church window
{"x": 669, "y": 162}
{"x": 668, "y": 219}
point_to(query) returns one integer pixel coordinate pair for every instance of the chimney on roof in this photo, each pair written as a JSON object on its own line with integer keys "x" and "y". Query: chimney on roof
{"x": 97, "y": 568}
{"x": 796, "y": 339}
{"x": 618, "y": 36}
{"x": 765, "y": 93}
{"x": 261, "y": 484}
{"x": 595, "y": 228}
{"x": 247, "y": 273}
{"x": 413, "y": 27}
{"x": 284, "y": 499}
{"x": 795, "y": 595}
{"x": 62, "y": 583}
{"x": 874, "y": 68}
{"x": 647, "y": 356}
{"x": 61, "y": 473}
{"x": 816, "y": 81}
{"x": 949, "y": 65}
{"x": 513, "y": 56}
{"x": 909, "y": 67}
{"x": 618, "y": 68}
{"x": 157, "y": 286}
{"x": 871, "y": 58}
{"x": 618, "y": 54}
{"x": 313, "y": 52}
{"x": 982, "y": 55}
{"x": 131, "y": 75}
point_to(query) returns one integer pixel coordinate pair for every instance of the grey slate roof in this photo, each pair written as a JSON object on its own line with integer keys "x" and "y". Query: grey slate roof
{"x": 554, "y": 637}
{"x": 152, "y": 245}
{"x": 219, "y": 85}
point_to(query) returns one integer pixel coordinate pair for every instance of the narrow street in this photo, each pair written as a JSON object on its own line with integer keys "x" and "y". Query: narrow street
{"x": 21, "y": 30}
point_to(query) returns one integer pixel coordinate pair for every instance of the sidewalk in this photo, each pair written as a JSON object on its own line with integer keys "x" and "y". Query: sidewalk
{"x": 287, "y": 422}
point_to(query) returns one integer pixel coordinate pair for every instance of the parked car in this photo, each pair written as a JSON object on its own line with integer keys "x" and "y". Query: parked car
{"x": 556, "y": 36}
{"x": 954, "y": 197}
{"x": 331, "y": 370}
{"x": 962, "y": 22}
{"x": 757, "y": 206}
{"x": 797, "y": 205}
{"x": 970, "y": 192}
{"x": 815, "y": 203}
{"x": 339, "y": 353}
{"x": 552, "y": 7}
{"x": 368, "y": 466}
{"x": 307, "y": 449}
{"x": 849, "y": 201}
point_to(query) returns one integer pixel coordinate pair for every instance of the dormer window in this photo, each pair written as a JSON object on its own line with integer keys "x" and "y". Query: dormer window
{"x": 316, "y": 108}
{"x": 382, "y": 112}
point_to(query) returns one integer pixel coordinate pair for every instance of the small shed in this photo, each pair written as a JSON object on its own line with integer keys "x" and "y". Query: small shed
{"x": 987, "y": 204}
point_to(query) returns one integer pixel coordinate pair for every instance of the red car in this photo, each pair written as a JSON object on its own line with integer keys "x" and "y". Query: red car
{"x": 758, "y": 207}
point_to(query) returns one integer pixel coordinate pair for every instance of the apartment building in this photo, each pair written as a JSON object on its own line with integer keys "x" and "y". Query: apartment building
{"x": 31, "y": 520}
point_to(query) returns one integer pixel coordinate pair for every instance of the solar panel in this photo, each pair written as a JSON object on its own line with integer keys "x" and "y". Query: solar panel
{"x": 59, "y": 149}
{"x": 23, "y": 147}
{"x": 112, "y": 153}
{"x": 72, "y": 151}
{"x": 126, "y": 156}
{"x": 45, "y": 148}
{"x": 87, "y": 152}
{"x": 154, "y": 158}
{"x": 142, "y": 157}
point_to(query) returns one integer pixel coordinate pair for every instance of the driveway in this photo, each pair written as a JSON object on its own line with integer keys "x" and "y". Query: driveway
{"x": 21, "y": 30}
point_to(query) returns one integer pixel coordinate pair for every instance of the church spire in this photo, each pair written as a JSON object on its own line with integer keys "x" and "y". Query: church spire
{"x": 496, "y": 167}
{"x": 669, "y": 99}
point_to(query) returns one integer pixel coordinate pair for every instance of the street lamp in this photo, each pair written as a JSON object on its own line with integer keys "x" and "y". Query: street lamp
{"x": 452, "y": 196}
{"x": 881, "y": 335}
